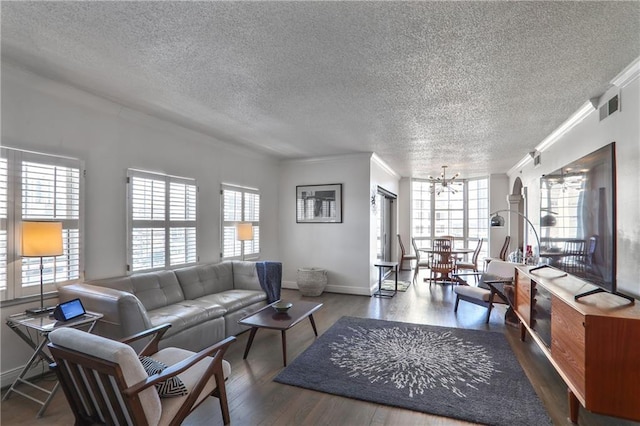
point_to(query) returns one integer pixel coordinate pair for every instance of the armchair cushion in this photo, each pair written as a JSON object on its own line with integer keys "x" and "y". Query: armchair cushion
{"x": 171, "y": 387}
{"x": 171, "y": 356}
{"x": 473, "y": 292}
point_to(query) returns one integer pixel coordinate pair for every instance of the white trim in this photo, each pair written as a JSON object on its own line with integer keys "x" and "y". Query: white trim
{"x": 343, "y": 157}
{"x": 380, "y": 162}
{"x": 240, "y": 187}
{"x": 627, "y": 75}
{"x": 577, "y": 117}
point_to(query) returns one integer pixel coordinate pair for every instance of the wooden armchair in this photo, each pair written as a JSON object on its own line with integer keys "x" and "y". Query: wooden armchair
{"x": 105, "y": 382}
{"x": 485, "y": 294}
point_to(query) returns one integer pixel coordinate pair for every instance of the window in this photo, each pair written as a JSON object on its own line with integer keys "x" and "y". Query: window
{"x": 240, "y": 204}
{"x": 162, "y": 221}
{"x": 478, "y": 214}
{"x": 421, "y": 212}
{"x": 32, "y": 187}
{"x": 463, "y": 214}
{"x": 565, "y": 201}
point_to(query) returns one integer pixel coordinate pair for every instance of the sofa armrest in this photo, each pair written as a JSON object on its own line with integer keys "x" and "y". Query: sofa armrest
{"x": 123, "y": 314}
{"x": 270, "y": 277}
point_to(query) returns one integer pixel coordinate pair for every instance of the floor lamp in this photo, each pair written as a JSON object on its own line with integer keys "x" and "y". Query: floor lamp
{"x": 498, "y": 221}
{"x": 244, "y": 232}
{"x": 41, "y": 239}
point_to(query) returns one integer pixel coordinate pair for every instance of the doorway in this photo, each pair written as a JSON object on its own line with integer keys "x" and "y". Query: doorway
{"x": 385, "y": 218}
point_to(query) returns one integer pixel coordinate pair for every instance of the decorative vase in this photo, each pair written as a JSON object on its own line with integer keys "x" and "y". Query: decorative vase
{"x": 312, "y": 281}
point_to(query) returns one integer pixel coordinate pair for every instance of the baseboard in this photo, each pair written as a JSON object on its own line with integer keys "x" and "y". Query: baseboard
{"x": 331, "y": 288}
{"x": 8, "y": 377}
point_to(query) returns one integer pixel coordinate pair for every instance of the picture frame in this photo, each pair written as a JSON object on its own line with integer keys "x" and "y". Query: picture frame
{"x": 319, "y": 203}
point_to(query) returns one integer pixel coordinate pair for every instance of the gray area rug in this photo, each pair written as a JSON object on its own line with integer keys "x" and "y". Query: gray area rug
{"x": 470, "y": 375}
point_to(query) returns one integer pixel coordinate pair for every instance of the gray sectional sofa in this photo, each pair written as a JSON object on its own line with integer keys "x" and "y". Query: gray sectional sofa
{"x": 202, "y": 303}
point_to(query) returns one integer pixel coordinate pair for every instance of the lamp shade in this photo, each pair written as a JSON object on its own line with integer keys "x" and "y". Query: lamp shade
{"x": 548, "y": 220}
{"x": 244, "y": 231}
{"x": 41, "y": 239}
{"x": 497, "y": 220}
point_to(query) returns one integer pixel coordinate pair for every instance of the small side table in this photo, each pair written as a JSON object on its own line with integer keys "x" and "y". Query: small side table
{"x": 41, "y": 325}
{"x": 381, "y": 266}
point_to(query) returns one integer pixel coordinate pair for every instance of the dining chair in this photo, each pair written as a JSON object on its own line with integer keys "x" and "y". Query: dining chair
{"x": 503, "y": 252}
{"x": 420, "y": 263}
{"x": 404, "y": 256}
{"x": 573, "y": 256}
{"x": 442, "y": 262}
{"x": 106, "y": 382}
{"x": 442, "y": 244}
{"x": 591, "y": 250}
{"x": 473, "y": 265}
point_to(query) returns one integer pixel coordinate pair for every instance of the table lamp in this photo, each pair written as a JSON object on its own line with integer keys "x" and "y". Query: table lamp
{"x": 41, "y": 239}
{"x": 244, "y": 232}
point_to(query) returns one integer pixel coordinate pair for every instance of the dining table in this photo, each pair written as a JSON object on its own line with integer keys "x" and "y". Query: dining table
{"x": 453, "y": 252}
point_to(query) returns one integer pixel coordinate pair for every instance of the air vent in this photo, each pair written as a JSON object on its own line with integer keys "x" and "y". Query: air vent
{"x": 536, "y": 160}
{"x": 613, "y": 104}
{"x": 609, "y": 107}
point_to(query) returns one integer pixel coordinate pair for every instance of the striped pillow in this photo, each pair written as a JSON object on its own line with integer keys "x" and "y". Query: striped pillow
{"x": 171, "y": 387}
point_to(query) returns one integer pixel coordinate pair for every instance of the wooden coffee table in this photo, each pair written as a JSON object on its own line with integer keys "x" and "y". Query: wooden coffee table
{"x": 267, "y": 317}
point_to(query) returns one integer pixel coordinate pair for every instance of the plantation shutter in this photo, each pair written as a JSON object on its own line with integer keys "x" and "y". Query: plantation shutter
{"x": 3, "y": 225}
{"x": 36, "y": 186}
{"x": 240, "y": 204}
{"x": 162, "y": 221}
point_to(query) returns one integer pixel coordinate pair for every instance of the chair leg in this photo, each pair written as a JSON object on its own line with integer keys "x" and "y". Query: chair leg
{"x": 222, "y": 395}
{"x": 455, "y": 308}
{"x": 489, "y": 307}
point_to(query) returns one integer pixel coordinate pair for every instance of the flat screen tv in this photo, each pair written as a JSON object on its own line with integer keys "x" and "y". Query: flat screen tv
{"x": 578, "y": 219}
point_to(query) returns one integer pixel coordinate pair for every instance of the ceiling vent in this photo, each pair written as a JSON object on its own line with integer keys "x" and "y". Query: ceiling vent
{"x": 609, "y": 107}
{"x": 536, "y": 160}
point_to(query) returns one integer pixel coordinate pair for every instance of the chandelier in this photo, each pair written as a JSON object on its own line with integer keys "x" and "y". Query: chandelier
{"x": 442, "y": 183}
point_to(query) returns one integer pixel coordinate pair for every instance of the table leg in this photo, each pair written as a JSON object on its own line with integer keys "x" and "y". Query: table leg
{"x": 574, "y": 406}
{"x": 313, "y": 324}
{"x": 284, "y": 347}
{"x": 252, "y": 334}
{"x": 396, "y": 278}
{"x": 36, "y": 354}
{"x": 48, "y": 400}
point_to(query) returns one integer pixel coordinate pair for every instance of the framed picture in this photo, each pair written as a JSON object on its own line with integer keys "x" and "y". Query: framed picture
{"x": 319, "y": 203}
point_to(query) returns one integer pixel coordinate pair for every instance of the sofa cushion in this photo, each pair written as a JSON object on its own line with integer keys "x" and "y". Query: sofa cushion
{"x": 245, "y": 275}
{"x": 183, "y": 315}
{"x": 156, "y": 289}
{"x": 233, "y": 300}
{"x": 198, "y": 281}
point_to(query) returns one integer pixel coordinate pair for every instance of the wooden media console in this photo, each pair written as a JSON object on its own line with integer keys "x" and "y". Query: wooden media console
{"x": 593, "y": 342}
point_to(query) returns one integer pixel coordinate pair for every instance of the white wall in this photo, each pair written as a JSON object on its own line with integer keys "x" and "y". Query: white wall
{"x": 384, "y": 177}
{"x": 498, "y": 192}
{"x": 41, "y": 115}
{"x": 622, "y": 127}
{"x": 340, "y": 248}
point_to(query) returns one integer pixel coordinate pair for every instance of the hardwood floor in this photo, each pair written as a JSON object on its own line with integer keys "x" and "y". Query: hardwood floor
{"x": 254, "y": 399}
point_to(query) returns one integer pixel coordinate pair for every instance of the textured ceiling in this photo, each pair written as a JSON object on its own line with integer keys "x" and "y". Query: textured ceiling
{"x": 474, "y": 85}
